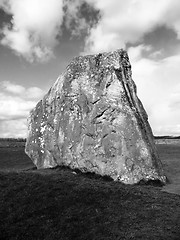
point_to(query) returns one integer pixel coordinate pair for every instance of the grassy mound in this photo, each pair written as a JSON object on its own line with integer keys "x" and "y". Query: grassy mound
{"x": 61, "y": 204}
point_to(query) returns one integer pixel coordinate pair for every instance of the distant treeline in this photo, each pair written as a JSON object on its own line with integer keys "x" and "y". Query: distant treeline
{"x": 13, "y": 139}
{"x": 167, "y": 137}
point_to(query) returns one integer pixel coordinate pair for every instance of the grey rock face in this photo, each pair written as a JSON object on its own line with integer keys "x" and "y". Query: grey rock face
{"x": 92, "y": 119}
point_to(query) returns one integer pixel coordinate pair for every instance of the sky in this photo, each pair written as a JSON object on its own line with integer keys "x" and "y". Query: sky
{"x": 38, "y": 39}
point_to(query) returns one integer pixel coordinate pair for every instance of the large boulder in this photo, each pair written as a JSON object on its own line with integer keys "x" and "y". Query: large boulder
{"x": 91, "y": 119}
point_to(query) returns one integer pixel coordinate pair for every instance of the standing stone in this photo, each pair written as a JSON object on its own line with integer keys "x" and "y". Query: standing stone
{"x": 91, "y": 119}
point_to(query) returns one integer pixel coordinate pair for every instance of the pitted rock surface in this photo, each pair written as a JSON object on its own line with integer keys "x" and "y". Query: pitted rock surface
{"x": 91, "y": 119}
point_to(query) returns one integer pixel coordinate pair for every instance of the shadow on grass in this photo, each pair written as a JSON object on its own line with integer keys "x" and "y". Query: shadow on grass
{"x": 64, "y": 204}
{"x": 155, "y": 183}
{"x": 67, "y": 204}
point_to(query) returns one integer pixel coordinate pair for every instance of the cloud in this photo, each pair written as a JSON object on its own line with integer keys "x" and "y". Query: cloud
{"x": 128, "y": 21}
{"x": 79, "y": 17}
{"x": 72, "y": 16}
{"x": 34, "y": 27}
{"x": 14, "y": 107}
{"x": 37, "y": 24}
{"x": 16, "y": 102}
{"x": 137, "y": 52}
{"x": 159, "y": 89}
{"x": 12, "y": 88}
{"x": 28, "y": 93}
{"x": 13, "y": 128}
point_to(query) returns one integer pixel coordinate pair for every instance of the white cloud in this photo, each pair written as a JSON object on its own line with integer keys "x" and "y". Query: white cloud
{"x": 26, "y": 93}
{"x": 37, "y": 23}
{"x": 35, "y": 26}
{"x": 127, "y": 21}
{"x": 13, "y": 107}
{"x": 16, "y": 102}
{"x": 34, "y": 93}
{"x": 13, "y": 128}
{"x": 136, "y": 52}
{"x": 159, "y": 89}
{"x": 12, "y": 88}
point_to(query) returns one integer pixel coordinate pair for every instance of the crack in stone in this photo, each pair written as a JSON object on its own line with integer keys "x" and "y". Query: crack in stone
{"x": 99, "y": 115}
{"x": 105, "y": 135}
{"x": 91, "y": 135}
{"x": 98, "y": 59}
{"x": 75, "y": 95}
{"x": 120, "y": 76}
{"x": 96, "y": 101}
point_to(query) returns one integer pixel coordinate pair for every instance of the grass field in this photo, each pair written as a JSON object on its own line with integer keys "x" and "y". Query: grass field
{"x": 13, "y": 157}
{"x": 170, "y": 157}
{"x": 63, "y": 204}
